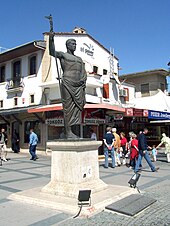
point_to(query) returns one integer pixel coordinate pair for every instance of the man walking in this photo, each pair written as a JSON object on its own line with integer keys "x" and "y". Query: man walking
{"x": 143, "y": 146}
{"x": 33, "y": 144}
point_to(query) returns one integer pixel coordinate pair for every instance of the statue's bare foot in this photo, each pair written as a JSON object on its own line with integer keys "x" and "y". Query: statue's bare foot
{"x": 71, "y": 135}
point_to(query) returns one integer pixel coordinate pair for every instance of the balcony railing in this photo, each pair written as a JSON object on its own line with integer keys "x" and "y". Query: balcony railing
{"x": 15, "y": 84}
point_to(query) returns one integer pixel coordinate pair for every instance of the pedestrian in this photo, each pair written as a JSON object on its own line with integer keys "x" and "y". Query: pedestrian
{"x": 124, "y": 145}
{"x": 93, "y": 135}
{"x": 33, "y": 140}
{"x": 15, "y": 142}
{"x": 154, "y": 153}
{"x": 166, "y": 141}
{"x": 117, "y": 145}
{"x": 3, "y": 143}
{"x": 143, "y": 152}
{"x": 134, "y": 151}
{"x": 109, "y": 140}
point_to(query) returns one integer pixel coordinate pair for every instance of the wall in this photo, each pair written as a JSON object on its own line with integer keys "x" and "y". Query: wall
{"x": 31, "y": 83}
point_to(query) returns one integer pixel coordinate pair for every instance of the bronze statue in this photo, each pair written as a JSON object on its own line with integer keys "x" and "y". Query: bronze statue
{"x": 73, "y": 84}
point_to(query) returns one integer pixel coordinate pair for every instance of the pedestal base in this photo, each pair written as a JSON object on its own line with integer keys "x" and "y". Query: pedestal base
{"x": 74, "y": 167}
{"x": 72, "y": 190}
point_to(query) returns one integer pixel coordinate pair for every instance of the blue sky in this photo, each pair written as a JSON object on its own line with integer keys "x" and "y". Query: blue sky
{"x": 139, "y": 31}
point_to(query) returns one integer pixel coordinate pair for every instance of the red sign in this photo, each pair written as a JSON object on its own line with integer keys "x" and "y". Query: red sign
{"x": 129, "y": 111}
{"x": 137, "y": 112}
{"x": 145, "y": 113}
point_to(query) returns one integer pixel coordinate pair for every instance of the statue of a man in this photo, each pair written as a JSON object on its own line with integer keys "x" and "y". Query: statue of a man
{"x": 166, "y": 141}
{"x": 73, "y": 84}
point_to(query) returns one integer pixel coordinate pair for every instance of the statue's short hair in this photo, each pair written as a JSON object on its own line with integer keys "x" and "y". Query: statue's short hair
{"x": 69, "y": 40}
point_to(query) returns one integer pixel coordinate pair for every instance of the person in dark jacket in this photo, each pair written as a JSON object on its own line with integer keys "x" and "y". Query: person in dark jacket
{"x": 143, "y": 152}
{"x": 15, "y": 142}
{"x": 109, "y": 140}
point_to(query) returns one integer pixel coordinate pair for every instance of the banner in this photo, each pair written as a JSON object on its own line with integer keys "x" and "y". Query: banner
{"x": 158, "y": 115}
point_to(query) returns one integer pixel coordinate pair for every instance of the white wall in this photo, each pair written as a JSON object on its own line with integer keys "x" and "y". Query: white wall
{"x": 100, "y": 56}
{"x": 31, "y": 83}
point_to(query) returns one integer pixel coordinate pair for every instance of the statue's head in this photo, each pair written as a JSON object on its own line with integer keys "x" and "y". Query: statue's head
{"x": 71, "y": 44}
{"x": 164, "y": 135}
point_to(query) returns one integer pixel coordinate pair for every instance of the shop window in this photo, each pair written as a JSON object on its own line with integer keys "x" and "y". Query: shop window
{"x": 104, "y": 72}
{"x": 32, "y": 99}
{"x": 32, "y": 65}
{"x": 2, "y": 74}
{"x": 1, "y": 103}
{"x": 145, "y": 89}
{"x": 95, "y": 69}
{"x": 15, "y": 101}
{"x": 32, "y": 124}
{"x": 126, "y": 97}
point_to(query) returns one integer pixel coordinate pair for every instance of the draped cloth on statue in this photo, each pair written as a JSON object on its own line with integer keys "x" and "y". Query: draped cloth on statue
{"x": 73, "y": 92}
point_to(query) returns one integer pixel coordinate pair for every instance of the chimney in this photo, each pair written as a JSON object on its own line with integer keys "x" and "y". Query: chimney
{"x": 79, "y": 30}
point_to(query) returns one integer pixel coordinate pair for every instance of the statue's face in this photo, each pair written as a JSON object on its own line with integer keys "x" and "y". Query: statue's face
{"x": 72, "y": 45}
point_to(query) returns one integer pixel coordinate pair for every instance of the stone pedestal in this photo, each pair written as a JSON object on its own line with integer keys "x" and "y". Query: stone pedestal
{"x": 74, "y": 167}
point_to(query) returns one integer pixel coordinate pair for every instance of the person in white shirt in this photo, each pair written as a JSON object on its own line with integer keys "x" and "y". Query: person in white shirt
{"x": 93, "y": 135}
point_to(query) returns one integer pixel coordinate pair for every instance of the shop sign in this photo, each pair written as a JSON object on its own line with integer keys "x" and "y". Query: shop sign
{"x": 55, "y": 122}
{"x": 145, "y": 113}
{"x": 118, "y": 117}
{"x": 87, "y": 49}
{"x": 137, "y": 112}
{"x": 94, "y": 121}
{"x": 158, "y": 115}
{"x": 129, "y": 111}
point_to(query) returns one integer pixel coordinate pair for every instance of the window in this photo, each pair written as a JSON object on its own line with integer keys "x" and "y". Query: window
{"x": 31, "y": 124}
{"x": 16, "y": 73}
{"x": 104, "y": 72}
{"x": 32, "y": 65}
{"x": 162, "y": 87}
{"x": 95, "y": 69}
{"x": 145, "y": 89}
{"x": 31, "y": 98}
{"x": 1, "y": 103}
{"x": 2, "y": 74}
{"x": 15, "y": 101}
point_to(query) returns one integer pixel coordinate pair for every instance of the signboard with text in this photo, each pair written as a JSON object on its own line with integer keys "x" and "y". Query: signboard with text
{"x": 55, "y": 122}
{"x": 94, "y": 121}
{"x": 158, "y": 115}
{"x": 136, "y": 112}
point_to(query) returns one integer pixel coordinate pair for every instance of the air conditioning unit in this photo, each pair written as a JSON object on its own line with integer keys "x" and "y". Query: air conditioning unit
{"x": 123, "y": 93}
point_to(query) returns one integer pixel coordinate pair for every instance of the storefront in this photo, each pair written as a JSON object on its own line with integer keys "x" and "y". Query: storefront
{"x": 135, "y": 120}
{"x": 157, "y": 123}
{"x": 94, "y": 117}
{"x": 160, "y": 123}
{"x": 19, "y": 121}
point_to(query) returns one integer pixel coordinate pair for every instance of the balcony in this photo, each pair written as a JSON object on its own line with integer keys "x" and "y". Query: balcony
{"x": 15, "y": 85}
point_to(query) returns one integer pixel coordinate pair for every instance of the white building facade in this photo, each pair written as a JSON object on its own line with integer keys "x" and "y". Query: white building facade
{"x": 30, "y": 93}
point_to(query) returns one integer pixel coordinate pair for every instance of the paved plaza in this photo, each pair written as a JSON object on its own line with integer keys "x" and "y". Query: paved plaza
{"x": 21, "y": 174}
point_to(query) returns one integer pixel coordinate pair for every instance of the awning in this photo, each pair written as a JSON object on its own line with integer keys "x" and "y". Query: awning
{"x": 15, "y": 110}
{"x": 160, "y": 121}
{"x": 55, "y": 107}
